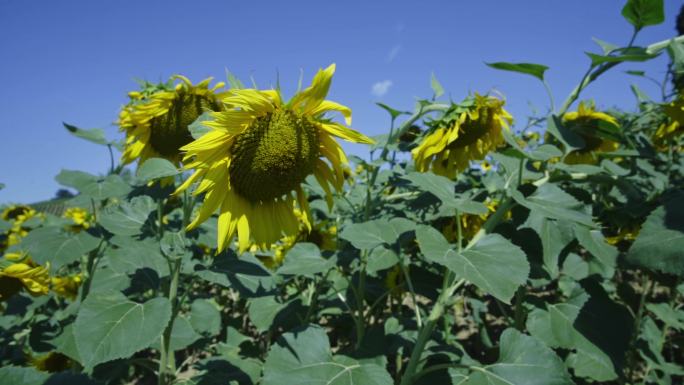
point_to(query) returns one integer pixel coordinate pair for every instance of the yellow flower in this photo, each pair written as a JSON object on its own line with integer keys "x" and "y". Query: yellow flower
{"x": 583, "y": 121}
{"x": 626, "y": 234}
{"x": 18, "y": 215}
{"x": 34, "y": 278}
{"x": 667, "y": 132}
{"x": 257, "y": 154}
{"x": 474, "y": 132}
{"x": 156, "y": 122}
{"x": 52, "y": 362}
{"x": 81, "y": 218}
{"x": 67, "y": 287}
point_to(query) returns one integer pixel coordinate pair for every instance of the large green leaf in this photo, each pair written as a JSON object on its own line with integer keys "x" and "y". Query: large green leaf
{"x": 205, "y": 317}
{"x": 523, "y": 360}
{"x": 304, "y": 357}
{"x": 554, "y": 236}
{"x": 536, "y": 70}
{"x": 109, "y": 326}
{"x": 182, "y": 335}
{"x": 493, "y": 264}
{"x": 305, "y": 259}
{"x": 54, "y": 245}
{"x": 660, "y": 242}
{"x": 367, "y": 235}
{"x": 75, "y": 179}
{"x": 128, "y": 217}
{"x": 552, "y": 202}
{"x": 595, "y": 243}
{"x": 111, "y": 186}
{"x": 131, "y": 255}
{"x": 12, "y": 375}
{"x": 641, "y": 13}
{"x": 595, "y": 328}
{"x": 632, "y": 54}
{"x": 443, "y": 189}
{"x": 246, "y": 274}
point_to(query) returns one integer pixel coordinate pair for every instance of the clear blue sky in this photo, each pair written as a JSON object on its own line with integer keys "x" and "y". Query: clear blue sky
{"x": 74, "y": 61}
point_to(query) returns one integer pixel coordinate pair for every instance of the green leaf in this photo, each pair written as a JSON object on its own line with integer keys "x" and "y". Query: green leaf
{"x": 304, "y": 259}
{"x": 109, "y": 326}
{"x": 367, "y": 235}
{"x": 156, "y": 168}
{"x": 174, "y": 245}
{"x": 75, "y": 179}
{"x": 569, "y": 139}
{"x": 393, "y": 113}
{"x": 605, "y": 46}
{"x": 304, "y": 357}
{"x": 536, "y": 70}
{"x": 545, "y": 152}
{"x": 381, "y": 258}
{"x": 552, "y": 202}
{"x": 65, "y": 343}
{"x": 112, "y": 186}
{"x": 54, "y": 245}
{"x": 660, "y": 242}
{"x": 18, "y": 375}
{"x": 443, "y": 189}
{"x": 641, "y": 13}
{"x": 523, "y": 360}
{"x": 94, "y": 135}
{"x": 493, "y": 264}
{"x": 246, "y": 274}
{"x": 263, "y": 310}
{"x": 554, "y": 237}
{"x": 437, "y": 88}
{"x": 631, "y": 54}
{"x": 128, "y": 217}
{"x": 132, "y": 254}
{"x": 205, "y": 317}
{"x": 604, "y": 253}
{"x": 182, "y": 335}
{"x": 670, "y": 316}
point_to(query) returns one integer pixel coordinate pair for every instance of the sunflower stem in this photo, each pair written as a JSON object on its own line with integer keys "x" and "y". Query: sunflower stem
{"x": 167, "y": 361}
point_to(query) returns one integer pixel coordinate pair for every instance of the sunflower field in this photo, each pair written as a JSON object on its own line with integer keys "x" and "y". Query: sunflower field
{"x": 234, "y": 241}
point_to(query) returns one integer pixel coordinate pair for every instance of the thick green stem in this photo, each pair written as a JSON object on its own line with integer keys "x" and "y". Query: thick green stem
{"x": 167, "y": 361}
{"x": 91, "y": 264}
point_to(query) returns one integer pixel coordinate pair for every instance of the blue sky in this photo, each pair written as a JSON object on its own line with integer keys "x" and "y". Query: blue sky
{"x": 74, "y": 61}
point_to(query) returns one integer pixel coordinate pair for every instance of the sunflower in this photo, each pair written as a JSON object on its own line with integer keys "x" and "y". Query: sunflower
{"x": 80, "y": 217}
{"x": 32, "y": 277}
{"x": 18, "y": 215}
{"x": 470, "y": 223}
{"x": 585, "y": 121}
{"x": 468, "y": 134}
{"x": 259, "y": 150}
{"x": 156, "y": 120}
{"x": 51, "y": 362}
{"x": 669, "y": 131}
{"x": 67, "y": 287}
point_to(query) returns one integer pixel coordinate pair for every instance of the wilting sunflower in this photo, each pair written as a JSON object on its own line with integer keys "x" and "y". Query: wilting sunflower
{"x": 469, "y": 134}
{"x": 156, "y": 121}
{"x": 668, "y": 131}
{"x": 28, "y": 275}
{"x": 51, "y": 362}
{"x": 252, "y": 162}
{"x": 67, "y": 287}
{"x": 585, "y": 121}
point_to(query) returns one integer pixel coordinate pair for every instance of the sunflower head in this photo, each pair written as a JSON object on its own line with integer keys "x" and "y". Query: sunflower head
{"x": 470, "y": 223}
{"x": 80, "y": 217}
{"x": 252, "y": 162}
{"x": 586, "y": 121}
{"x": 673, "y": 128}
{"x": 468, "y": 131}
{"x": 156, "y": 119}
{"x": 32, "y": 277}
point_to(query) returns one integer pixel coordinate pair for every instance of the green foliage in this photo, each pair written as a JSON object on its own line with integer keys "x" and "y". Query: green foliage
{"x": 553, "y": 259}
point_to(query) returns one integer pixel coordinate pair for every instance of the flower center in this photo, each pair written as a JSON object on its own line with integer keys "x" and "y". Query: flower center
{"x": 471, "y": 130}
{"x": 273, "y": 155}
{"x": 169, "y": 132}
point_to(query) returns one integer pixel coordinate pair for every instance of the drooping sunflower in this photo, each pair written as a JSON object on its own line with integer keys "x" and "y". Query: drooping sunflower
{"x": 585, "y": 121}
{"x": 470, "y": 133}
{"x": 470, "y": 223}
{"x": 156, "y": 120}
{"x": 673, "y": 128}
{"x": 17, "y": 215}
{"x": 28, "y": 275}
{"x": 252, "y": 162}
